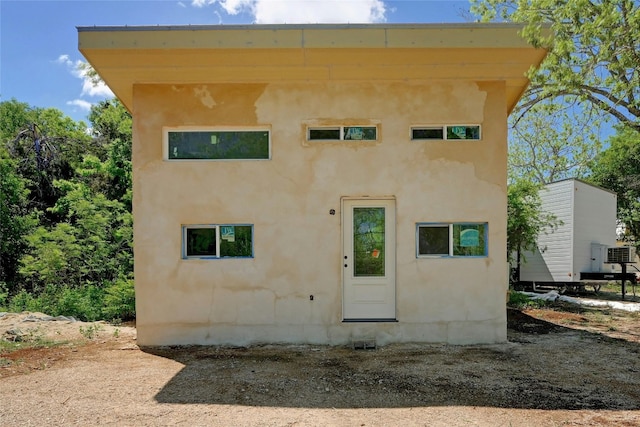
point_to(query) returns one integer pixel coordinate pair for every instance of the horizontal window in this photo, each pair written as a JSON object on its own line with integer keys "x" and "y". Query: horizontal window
{"x": 454, "y": 132}
{"x": 218, "y": 144}
{"x": 455, "y": 240}
{"x": 217, "y": 241}
{"x": 427, "y": 133}
{"x": 343, "y": 133}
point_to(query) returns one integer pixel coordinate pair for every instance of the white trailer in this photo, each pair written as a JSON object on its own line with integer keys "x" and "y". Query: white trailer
{"x": 579, "y": 244}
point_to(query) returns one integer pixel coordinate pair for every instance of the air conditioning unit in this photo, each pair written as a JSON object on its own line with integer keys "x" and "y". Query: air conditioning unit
{"x": 621, "y": 255}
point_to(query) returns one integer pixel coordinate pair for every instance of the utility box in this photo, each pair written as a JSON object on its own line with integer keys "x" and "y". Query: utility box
{"x": 583, "y": 240}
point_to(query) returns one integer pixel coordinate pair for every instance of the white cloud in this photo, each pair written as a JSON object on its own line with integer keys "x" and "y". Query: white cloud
{"x": 202, "y": 3}
{"x": 94, "y": 89}
{"x": 303, "y": 11}
{"x": 89, "y": 87}
{"x": 80, "y": 103}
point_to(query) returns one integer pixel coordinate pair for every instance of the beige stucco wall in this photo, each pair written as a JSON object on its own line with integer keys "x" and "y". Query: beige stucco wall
{"x": 297, "y": 243}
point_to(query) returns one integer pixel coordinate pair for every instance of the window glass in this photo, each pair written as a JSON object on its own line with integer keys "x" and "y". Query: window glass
{"x": 343, "y": 133}
{"x": 236, "y": 241}
{"x": 201, "y": 242}
{"x": 433, "y": 240}
{"x": 360, "y": 133}
{"x": 369, "y": 241}
{"x": 218, "y": 145}
{"x": 427, "y": 133}
{"x": 218, "y": 241}
{"x": 469, "y": 239}
{"x": 324, "y": 134}
{"x": 463, "y": 132}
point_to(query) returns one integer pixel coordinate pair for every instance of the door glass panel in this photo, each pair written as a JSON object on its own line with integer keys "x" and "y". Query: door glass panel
{"x": 368, "y": 242}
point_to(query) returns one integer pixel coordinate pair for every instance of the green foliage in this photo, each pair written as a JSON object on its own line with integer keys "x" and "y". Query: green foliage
{"x": 93, "y": 245}
{"x": 86, "y": 303}
{"x": 90, "y": 331}
{"x": 15, "y": 220}
{"x": 112, "y": 175}
{"x": 525, "y": 218}
{"x": 65, "y": 217}
{"x": 618, "y": 169}
{"x": 4, "y": 295}
{"x": 594, "y": 53}
{"x": 120, "y": 300}
{"x": 14, "y": 116}
{"x": 552, "y": 142}
{"x": 521, "y": 301}
{"x": 46, "y": 146}
{"x": 81, "y": 303}
{"x": 33, "y": 338}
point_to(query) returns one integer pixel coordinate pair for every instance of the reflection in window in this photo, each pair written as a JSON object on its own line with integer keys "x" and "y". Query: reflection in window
{"x": 463, "y": 132}
{"x": 342, "y": 133}
{"x": 201, "y": 241}
{"x": 359, "y": 133}
{"x": 433, "y": 240}
{"x": 440, "y": 133}
{"x": 369, "y": 241}
{"x": 207, "y": 241}
{"x": 469, "y": 239}
{"x": 458, "y": 239}
{"x": 218, "y": 145}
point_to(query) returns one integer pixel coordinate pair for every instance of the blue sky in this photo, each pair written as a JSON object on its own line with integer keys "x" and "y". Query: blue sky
{"x": 38, "y": 39}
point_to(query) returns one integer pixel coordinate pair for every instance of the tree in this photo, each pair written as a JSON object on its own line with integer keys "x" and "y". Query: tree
{"x": 595, "y": 52}
{"x": 91, "y": 246}
{"x": 14, "y": 117}
{"x": 15, "y": 220}
{"x": 45, "y": 145}
{"x": 110, "y": 174}
{"x": 618, "y": 169}
{"x": 525, "y": 221}
{"x": 549, "y": 144}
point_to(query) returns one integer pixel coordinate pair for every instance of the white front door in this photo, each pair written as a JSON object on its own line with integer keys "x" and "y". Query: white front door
{"x": 369, "y": 259}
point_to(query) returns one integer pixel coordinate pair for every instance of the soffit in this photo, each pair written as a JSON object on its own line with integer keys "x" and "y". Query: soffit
{"x": 125, "y": 56}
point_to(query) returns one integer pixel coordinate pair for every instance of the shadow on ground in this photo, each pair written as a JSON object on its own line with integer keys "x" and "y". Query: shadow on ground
{"x": 544, "y": 366}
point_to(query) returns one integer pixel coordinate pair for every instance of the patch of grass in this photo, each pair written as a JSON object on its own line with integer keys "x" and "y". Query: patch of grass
{"x": 19, "y": 341}
{"x": 521, "y": 301}
{"x": 90, "y": 331}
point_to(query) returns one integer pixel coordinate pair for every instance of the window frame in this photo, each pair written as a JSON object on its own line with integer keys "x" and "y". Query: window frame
{"x": 186, "y": 227}
{"x": 185, "y": 129}
{"x": 444, "y": 128}
{"x": 451, "y": 226}
{"x": 341, "y": 130}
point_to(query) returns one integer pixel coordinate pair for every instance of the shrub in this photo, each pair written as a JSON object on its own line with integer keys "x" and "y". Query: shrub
{"x": 84, "y": 303}
{"x": 120, "y": 300}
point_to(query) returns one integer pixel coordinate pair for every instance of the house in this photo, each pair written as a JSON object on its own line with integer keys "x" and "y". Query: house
{"x": 586, "y": 228}
{"x": 318, "y": 183}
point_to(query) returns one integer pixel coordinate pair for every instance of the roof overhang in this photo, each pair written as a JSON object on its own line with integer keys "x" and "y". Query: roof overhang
{"x": 126, "y": 56}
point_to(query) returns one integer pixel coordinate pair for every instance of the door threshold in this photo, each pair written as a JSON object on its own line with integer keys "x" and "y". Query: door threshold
{"x": 369, "y": 320}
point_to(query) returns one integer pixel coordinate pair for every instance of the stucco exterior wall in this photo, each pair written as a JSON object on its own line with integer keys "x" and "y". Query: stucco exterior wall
{"x": 297, "y": 243}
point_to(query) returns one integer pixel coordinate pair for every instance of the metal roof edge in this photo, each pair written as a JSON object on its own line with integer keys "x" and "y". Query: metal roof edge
{"x": 474, "y": 25}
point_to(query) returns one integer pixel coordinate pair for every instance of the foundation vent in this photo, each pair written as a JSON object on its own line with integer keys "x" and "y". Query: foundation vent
{"x": 364, "y": 344}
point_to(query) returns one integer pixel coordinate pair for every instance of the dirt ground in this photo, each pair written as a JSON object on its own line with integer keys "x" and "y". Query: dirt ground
{"x": 563, "y": 366}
